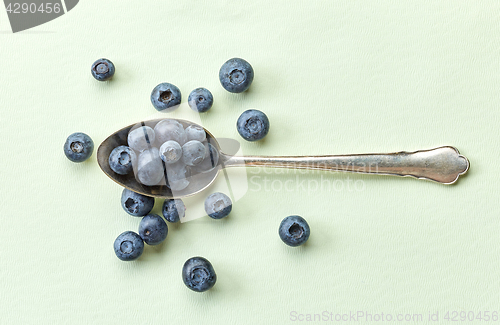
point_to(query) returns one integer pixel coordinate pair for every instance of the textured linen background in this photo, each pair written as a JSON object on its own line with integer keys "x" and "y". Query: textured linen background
{"x": 334, "y": 77}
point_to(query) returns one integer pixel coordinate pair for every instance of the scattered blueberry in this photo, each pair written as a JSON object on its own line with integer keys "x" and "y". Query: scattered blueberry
{"x": 218, "y": 205}
{"x": 193, "y": 153}
{"x": 128, "y": 246}
{"x": 141, "y": 138}
{"x": 173, "y": 210}
{"x": 200, "y": 100}
{"x": 252, "y": 125}
{"x": 78, "y": 147}
{"x": 121, "y": 160}
{"x": 294, "y": 230}
{"x": 136, "y": 204}
{"x": 103, "y": 69}
{"x": 195, "y": 132}
{"x": 153, "y": 229}
{"x": 166, "y": 97}
{"x": 198, "y": 274}
{"x": 170, "y": 152}
{"x": 236, "y": 75}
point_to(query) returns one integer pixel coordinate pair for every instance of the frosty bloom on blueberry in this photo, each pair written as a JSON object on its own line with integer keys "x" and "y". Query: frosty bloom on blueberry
{"x": 122, "y": 159}
{"x": 236, "y": 75}
{"x": 78, "y": 147}
{"x": 103, "y": 69}
{"x": 149, "y": 167}
{"x": 141, "y": 138}
{"x": 198, "y": 274}
{"x": 252, "y": 125}
{"x": 193, "y": 153}
{"x": 178, "y": 175}
{"x": 128, "y": 246}
{"x": 169, "y": 129}
{"x": 173, "y": 210}
{"x": 170, "y": 152}
{"x": 166, "y": 97}
{"x": 210, "y": 161}
{"x": 136, "y": 204}
{"x": 200, "y": 100}
{"x": 294, "y": 231}
{"x": 195, "y": 132}
{"x": 218, "y": 205}
{"x": 153, "y": 229}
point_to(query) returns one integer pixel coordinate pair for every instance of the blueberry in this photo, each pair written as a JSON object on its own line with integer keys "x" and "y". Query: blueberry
{"x": 170, "y": 152}
{"x": 78, "y": 147}
{"x": 195, "y": 132}
{"x": 169, "y": 129}
{"x": 166, "y": 97}
{"x": 141, "y": 138}
{"x": 178, "y": 175}
{"x": 193, "y": 153}
{"x": 218, "y": 205}
{"x": 236, "y": 75}
{"x": 136, "y": 204}
{"x": 198, "y": 274}
{"x": 178, "y": 185}
{"x": 121, "y": 160}
{"x": 200, "y": 100}
{"x": 128, "y": 246}
{"x": 153, "y": 229}
{"x": 294, "y": 231}
{"x": 252, "y": 125}
{"x": 149, "y": 167}
{"x": 210, "y": 161}
{"x": 103, "y": 69}
{"x": 173, "y": 210}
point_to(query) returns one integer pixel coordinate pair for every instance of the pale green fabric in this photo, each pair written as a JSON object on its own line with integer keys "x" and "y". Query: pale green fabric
{"x": 333, "y": 77}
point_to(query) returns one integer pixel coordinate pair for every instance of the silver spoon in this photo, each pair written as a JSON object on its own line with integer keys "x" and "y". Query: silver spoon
{"x": 443, "y": 164}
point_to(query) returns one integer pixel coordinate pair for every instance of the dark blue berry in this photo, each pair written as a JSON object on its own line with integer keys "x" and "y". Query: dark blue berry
{"x": 252, "y": 125}
{"x": 173, "y": 210}
{"x": 198, "y": 274}
{"x": 78, "y": 147}
{"x": 236, "y": 75}
{"x": 218, "y": 205}
{"x": 153, "y": 229}
{"x": 121, "y": 160}
{"x": 103, "y": 69}
{"x": 294, "y": 231}
{"x": 136, "y": 204}
{"x": 200, "y": 100}
{"x": 128, "y": 246}
{"x": 166, "y": 97}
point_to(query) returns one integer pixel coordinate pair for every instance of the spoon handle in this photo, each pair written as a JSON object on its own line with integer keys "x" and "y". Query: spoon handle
{"x": 443, "y": 164}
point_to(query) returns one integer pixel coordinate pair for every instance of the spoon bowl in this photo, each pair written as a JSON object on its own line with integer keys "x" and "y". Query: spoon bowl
{"x": 198, "y": 181}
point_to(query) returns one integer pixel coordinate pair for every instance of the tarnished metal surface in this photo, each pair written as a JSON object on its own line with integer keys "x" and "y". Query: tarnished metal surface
{"x": 443, "y": 164}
